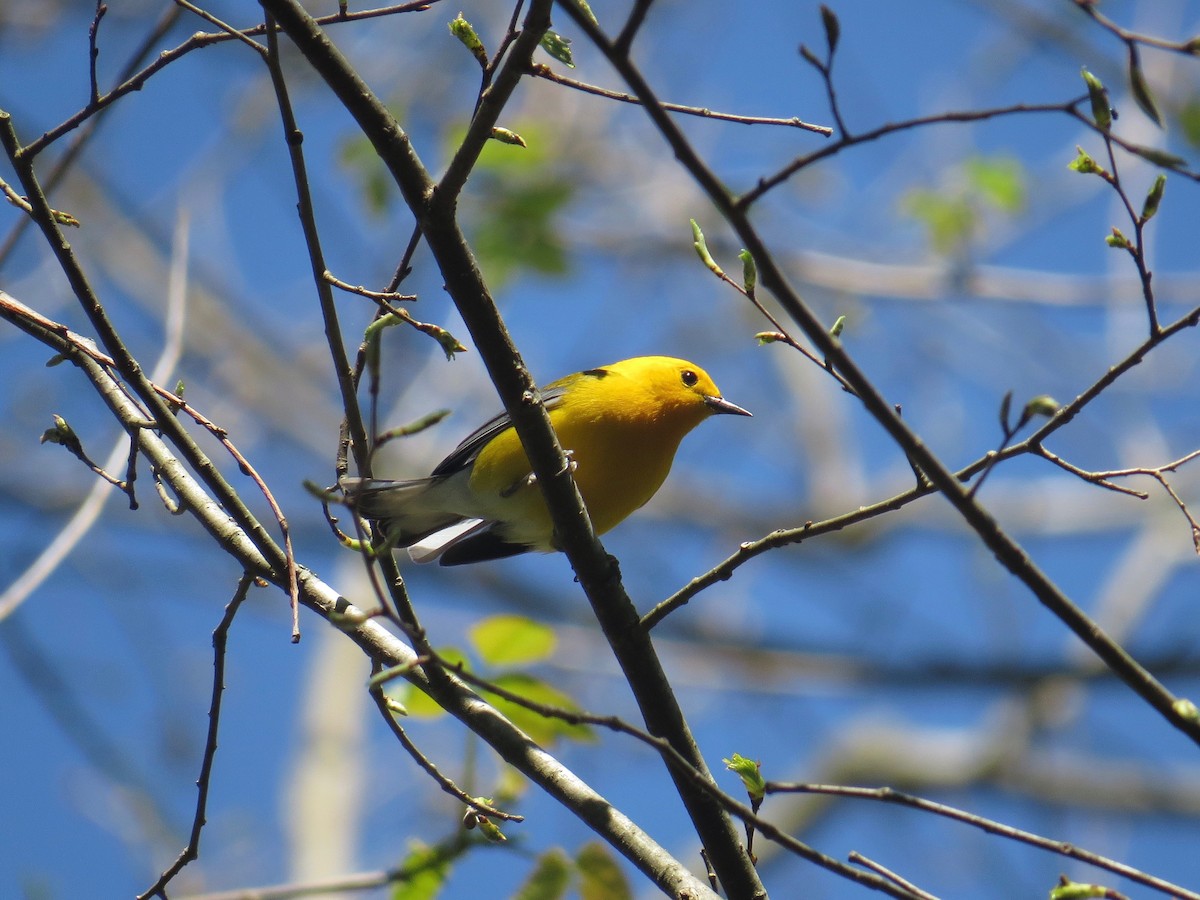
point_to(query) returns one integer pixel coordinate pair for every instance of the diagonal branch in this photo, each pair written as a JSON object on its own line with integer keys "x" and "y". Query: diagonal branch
{"x": 435, "y": 210}
{"x": 1009, "y": 553}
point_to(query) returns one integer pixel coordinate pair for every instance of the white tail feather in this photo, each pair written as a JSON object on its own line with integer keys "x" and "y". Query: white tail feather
{"x": 430, "y": 548}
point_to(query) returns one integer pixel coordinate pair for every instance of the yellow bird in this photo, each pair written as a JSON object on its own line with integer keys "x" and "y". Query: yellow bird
{"x": 621, "y": 425}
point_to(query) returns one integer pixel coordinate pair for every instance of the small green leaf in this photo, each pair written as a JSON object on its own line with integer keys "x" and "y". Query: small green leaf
{"x": 770, "y": 337}
{"x": 416, "y": 702}
{"x": 1084, "y": 164}
{"x": 512, "y": 640}
{"x": 838, "y": 326}
{"x": 1154, "y": 197}
{"x": 358, "y": 157}
{"x": 1158, "y": 157}
{"x": 64, "y": 218}
{"x": 583, "y": 5}
{"x": 999, "y": 179}
{"x": 1041, "y": 405}
{"x": 1074, "y": 890}
{"x": 1189, "y": 120}
{"x": 1186, "y": 709}
{"x": 504, "y": 136}
{"x": 600, "y": 877}
{"x": 750, "y": 773}
{"x": 490, "y": 829}
{"x": 543, "y": 729}
{"x": 1101, "y": 111}
{"x": 549, "y": 880}
{"x": 415, "y": 427}
{"x": 423, "y": 873}
{"x": 1005, "y": 409}
{"x": 951, "y": 220}
{"x": 702, "y": 249}
{"x": 63, "y": 434}
{"x": 448, "y": 342}
{"x": 1118, "y": 240}
{"x": 559, "y": 47}
{"x": 749, "y": 272}
{"x": 465, "y": 32}
{"x": 1141, "y": 90}
{"x": 833, "y": 28}
{"x": 811, "y": 58}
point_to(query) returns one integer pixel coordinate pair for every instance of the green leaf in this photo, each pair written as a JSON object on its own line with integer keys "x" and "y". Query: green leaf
{"x": 543, "y": 729}
{"x": 950, "y": 220}
{"x": 749, "y": 272}
{"x": 1117, "y": 240}
{"x": 559, "y": 47}
{"x": 490, "y": 829}
{"x": 833, "y": 28}
{"x": 1074, "y": 890}
{"x": 601, "y": 877}
{"x": 1000, "y": 180}
{"x": 418, "y": 704}
{"x": 811, "y": 58}
{"x": 512, "y": 640}
{"x": 514, "y": 215}
{"x": 358, "y": 157}
{"x": 750, "y": 772}
{"x": 1041, "y": 405}
{"x": 550, "y": 878}
{"x": 1101, "y": 112}
{"x": 504, "y": 136}
{"x": 769, "y": 337}
{"x": 1158, "y": 157}
{"x": 583, "y": 5}
{"x": 1186, "y": 709}
{"x": 465, "y": 32}
{"x": 1189, "y": 120}
{"x": 1141, "y": 90}
{"x": 1005, "y": 408}
{"x": 1084, "y": 164}
{"x": 425, "y": 872}
{"x": 1154, "y": 197}
{"x": 701, "y": 246}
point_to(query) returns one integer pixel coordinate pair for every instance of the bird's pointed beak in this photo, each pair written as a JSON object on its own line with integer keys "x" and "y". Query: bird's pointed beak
{"x": 721, "y": 405}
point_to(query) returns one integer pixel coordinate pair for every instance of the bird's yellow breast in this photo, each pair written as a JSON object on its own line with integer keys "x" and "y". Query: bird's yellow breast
{"x": 622, "y": 433}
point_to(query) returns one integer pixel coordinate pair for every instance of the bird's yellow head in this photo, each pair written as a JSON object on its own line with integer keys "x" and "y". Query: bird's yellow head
{"x": 672, "y": 389}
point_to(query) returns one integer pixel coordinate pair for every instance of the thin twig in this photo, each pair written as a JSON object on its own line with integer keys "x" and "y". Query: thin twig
{"x": 136, "y": 81}
{"x": 855, "y": 857}
{"x": 1062, "y": 848}
{"x": 388, "y": 296}
{"x": 93, "y": 49}
{"x": 381, "y": 701}
{"x": 1188, "y": 47}
{"x": 219, "y": 639}
{"x": 545, "y": 72}
{"x": 235, "y": 33}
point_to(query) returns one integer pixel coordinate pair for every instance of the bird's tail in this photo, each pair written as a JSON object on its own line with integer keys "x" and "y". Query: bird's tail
{"x": 402, "y": 508}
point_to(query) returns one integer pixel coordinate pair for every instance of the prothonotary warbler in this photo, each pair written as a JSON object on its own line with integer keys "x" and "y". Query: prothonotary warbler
{"x": 621, "y": 425}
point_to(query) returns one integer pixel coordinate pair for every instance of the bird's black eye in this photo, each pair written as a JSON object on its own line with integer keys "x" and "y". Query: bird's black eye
{"x": 689, "y": 377}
